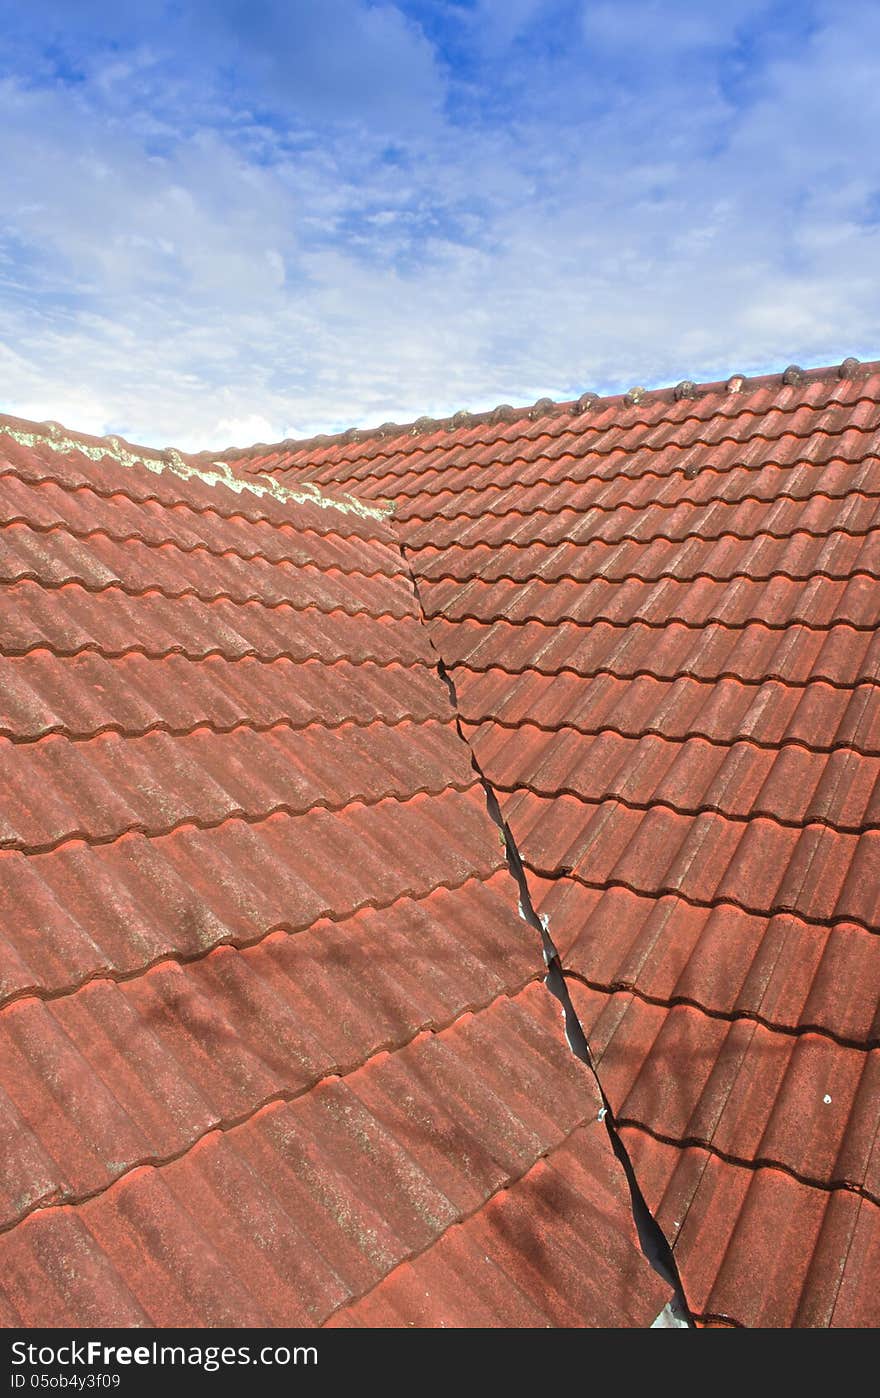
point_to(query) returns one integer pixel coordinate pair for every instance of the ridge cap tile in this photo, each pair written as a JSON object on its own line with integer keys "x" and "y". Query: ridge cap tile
{"x": 850, "y": 370}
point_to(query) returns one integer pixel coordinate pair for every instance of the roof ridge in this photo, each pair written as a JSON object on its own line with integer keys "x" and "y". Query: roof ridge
{"x": 61, "y": 438}
{"x": 210, "y": 467}
{"x": 792, "y": 376}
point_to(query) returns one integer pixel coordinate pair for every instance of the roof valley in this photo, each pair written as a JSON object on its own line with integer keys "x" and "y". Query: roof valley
{"x": 654, "y": 1245}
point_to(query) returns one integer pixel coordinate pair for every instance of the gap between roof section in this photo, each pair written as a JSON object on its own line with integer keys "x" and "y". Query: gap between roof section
{"x": 653, "y": 1242}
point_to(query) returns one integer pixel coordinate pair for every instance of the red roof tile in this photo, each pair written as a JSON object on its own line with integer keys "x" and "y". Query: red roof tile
{"x": 307, "y": 1203}
{"x": 272, "y": 1026}
{"x": 762, "y": 1248}
{"x": 660, "y": 619}
{"x": 522, "y": 1256}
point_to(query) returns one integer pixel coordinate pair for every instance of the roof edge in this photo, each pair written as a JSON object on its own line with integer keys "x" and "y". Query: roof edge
{"x": 792, "y": 376}
{"x": 211, "y": 468}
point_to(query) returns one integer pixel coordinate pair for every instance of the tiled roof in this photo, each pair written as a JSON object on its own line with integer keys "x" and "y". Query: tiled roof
{"x": 659, "y": 616}
{"x": 274, "y": 1039}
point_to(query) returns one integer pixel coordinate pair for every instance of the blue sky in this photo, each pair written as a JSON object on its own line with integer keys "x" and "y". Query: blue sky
{"x": 233, "y": 220}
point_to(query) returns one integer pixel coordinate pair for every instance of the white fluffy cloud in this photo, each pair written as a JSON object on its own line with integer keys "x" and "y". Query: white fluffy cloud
{"x": 376, "y": 216}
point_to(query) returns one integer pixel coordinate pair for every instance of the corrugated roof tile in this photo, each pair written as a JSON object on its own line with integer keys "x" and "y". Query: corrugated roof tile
{"x": 271, "y": 1019}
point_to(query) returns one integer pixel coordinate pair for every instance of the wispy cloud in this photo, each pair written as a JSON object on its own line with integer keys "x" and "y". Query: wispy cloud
{"x": 224, "y": 222}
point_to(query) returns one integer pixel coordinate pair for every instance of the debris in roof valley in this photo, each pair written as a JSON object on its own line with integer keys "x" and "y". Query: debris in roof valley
{"x": 450, "y": 896}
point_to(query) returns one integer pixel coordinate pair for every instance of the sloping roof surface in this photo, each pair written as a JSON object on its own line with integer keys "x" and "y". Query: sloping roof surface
{"x": 272, "y": 1027}
{"x": 659, "y": 614}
